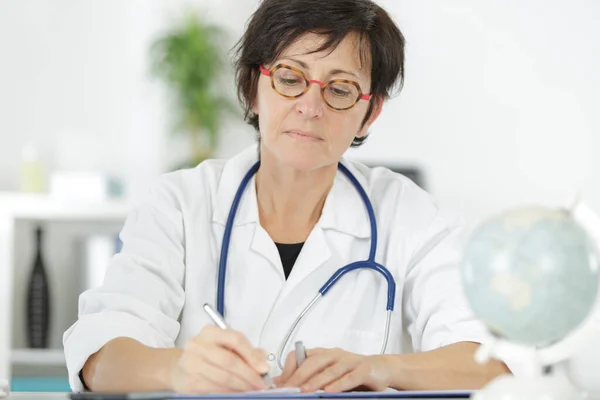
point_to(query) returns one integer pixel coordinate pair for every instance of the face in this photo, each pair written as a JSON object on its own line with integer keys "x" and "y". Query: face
{"x": 305, "y": 133}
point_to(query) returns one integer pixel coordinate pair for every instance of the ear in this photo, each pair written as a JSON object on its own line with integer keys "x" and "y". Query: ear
{"x": 253, "y": 106}
{"x": 377, "y": 107}
{"x": 254, "y": 101}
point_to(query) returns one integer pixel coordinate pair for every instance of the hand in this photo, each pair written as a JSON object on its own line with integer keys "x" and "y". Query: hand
{"x": 335, "y": 370}
{"x": 218, "y": 361}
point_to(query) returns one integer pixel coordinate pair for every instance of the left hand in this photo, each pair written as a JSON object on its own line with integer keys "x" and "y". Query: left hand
{"x": 335, "y": 370}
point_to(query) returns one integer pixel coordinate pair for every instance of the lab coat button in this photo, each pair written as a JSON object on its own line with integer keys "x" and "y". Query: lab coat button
{"x": 271, "y": 357}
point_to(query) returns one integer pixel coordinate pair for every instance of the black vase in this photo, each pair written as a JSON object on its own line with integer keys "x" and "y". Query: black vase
{"x": 38, "y": 300}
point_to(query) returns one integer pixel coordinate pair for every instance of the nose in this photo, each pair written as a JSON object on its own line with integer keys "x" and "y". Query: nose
{"x": 310, "y": 104}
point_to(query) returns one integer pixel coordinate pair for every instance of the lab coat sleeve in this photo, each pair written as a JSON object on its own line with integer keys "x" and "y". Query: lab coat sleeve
{"x": 142, "y": 294}
{"x": 436, "y": 309}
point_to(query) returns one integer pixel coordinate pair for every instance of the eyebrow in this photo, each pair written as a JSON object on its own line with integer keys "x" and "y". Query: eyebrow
{"x": 332, "y": 72}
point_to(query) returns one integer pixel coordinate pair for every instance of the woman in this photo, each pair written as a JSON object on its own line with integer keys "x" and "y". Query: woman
{"x": 312, "y": 77}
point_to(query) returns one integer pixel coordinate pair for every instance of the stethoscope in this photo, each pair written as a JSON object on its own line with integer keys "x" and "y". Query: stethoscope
{"x": 369, "y": 263}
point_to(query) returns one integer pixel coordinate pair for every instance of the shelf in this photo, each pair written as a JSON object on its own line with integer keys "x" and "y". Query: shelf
{"x": 37, "y": 357}
{"x": 45, "y": 207}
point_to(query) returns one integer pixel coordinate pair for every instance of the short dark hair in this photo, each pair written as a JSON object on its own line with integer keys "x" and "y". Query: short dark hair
{"x": 278, "y": 23}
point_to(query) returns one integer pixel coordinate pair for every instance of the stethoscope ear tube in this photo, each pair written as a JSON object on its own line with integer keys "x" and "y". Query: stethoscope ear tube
{"x": 227, "y": 238}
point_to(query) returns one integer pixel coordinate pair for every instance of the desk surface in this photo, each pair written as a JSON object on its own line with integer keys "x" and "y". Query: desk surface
{"x": 65, "y": 396}
{"x": 37, "y": 395}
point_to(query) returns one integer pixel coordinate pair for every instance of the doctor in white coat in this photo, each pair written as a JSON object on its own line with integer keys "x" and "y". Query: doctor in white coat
{"x": 312, "y": 77}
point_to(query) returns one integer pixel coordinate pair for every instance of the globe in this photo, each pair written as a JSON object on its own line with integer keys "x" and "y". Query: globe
{"x": 531, "y": 275}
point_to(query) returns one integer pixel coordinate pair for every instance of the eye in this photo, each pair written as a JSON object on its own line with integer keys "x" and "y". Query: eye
{"x": 340, "y": 90}
{"x": 288, "y": 78}
{"x": 289, "y": 81}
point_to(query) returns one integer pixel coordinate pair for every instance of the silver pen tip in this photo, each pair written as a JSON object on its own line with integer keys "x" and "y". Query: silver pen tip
{"x": 268, "y": 379}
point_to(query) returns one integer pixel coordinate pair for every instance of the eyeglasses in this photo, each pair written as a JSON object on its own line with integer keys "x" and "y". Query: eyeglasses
{"x": 290, "y": 82}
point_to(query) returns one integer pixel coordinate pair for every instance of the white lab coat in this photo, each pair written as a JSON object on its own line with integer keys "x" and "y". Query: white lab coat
{"x": 155, "y": 288}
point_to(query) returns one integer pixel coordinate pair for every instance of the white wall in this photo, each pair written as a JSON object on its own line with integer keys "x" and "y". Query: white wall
{"x": 74, "y": 79}
{"x": 499, "y": 105}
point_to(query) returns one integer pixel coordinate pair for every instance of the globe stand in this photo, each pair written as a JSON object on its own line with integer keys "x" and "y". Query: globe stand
{"x": 532, "y": 383}
{"x": 548, "y": 387}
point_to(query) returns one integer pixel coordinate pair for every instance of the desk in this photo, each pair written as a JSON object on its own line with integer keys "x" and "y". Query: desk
{"x": 37, "y": 396}
{"x": 64, "y": 396}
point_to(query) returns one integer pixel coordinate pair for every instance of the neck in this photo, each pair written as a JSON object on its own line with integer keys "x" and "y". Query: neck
{"x": 290, "y": 201}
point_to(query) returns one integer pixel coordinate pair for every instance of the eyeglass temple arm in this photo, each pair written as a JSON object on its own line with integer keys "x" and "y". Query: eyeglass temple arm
{"x": 265, "y": 71}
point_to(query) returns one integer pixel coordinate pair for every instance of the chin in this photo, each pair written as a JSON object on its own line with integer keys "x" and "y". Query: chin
{"x": 303, "y": 160}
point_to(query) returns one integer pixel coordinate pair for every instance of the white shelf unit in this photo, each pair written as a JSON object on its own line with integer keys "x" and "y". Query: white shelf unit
{"x": 53, "y": 357}
{"x": 46, "y": 208}
{"x": 33, "y": 208}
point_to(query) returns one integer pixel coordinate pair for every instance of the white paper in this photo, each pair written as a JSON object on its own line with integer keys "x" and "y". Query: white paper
{"x": 275, "y": 391}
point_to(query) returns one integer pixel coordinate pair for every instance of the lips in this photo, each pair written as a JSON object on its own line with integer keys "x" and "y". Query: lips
{"x": 303, "y": 134}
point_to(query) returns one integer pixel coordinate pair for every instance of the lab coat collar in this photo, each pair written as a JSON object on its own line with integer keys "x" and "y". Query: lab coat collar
{"x": 343, "y": 211}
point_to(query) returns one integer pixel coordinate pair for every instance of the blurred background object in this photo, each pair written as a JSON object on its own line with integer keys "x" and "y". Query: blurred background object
{"x": 38, "y": 298}
{"x": 32, "y": 174}
{"x": 532, "y": 275}
{"x": 190, "y": 59}
{"x": 95, "y": 252}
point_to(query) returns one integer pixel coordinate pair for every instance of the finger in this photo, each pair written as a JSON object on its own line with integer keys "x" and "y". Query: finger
{"x": 353, "y": 379}
{"x": 224, "y": 380}
{"x": 311, "y": 367}
{"x": 238, "y": 342}
{"x": 200, "y": 385}
{"x": 189, "y": 376}
{"x": 232, "y": 364}
{"x": 317, "y": 350}
{"x": 331, "y": 374}
{"x": 289, "y": 368}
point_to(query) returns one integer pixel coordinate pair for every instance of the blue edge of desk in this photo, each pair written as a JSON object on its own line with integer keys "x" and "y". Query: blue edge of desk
{"x": 39, "y": 384}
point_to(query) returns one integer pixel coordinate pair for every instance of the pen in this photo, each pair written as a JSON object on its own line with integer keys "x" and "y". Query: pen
{"x": 218, "y": 319}
{"x": 300, "y": 353}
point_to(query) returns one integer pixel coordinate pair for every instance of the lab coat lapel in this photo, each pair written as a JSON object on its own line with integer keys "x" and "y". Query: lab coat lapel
{"x": 314, "y": 254}
{"x": 264, "y": 245}
{"x": 261, "y": 241}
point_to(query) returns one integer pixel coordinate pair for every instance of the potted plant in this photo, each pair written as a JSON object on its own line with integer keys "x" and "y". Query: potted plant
{"x": 190, "y": 60}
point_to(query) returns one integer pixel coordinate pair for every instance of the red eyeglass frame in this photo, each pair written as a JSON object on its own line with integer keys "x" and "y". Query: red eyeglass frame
{"x": 323, "y": 85}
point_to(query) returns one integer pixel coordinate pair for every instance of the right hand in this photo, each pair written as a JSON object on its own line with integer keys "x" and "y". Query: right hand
{"x": 219, "y": 361}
